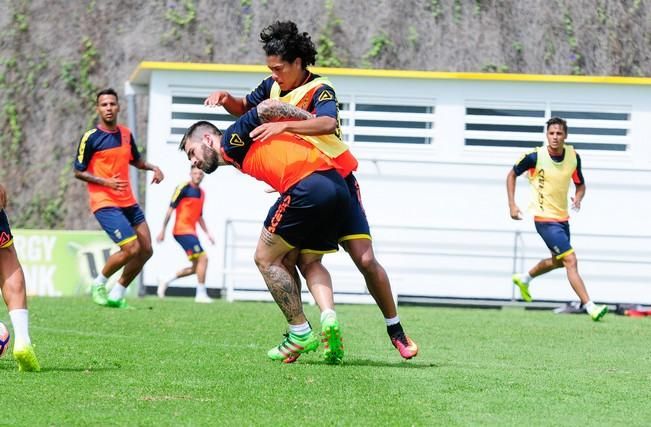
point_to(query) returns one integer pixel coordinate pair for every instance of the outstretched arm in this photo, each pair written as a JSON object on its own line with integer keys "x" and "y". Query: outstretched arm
{"x": 278, "y": 117}
{"x": 234, "y": 105}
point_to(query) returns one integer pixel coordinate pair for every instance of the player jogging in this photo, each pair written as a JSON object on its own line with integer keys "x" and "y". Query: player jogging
{"x": 550, "y": 170}
{"x": 187, "y": 201}
{"x": 103, "y": 158}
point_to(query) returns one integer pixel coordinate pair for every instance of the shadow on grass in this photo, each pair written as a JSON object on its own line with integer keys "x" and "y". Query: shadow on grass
{"x": 82, "y": 370}
{"x": 404, "y": 364}
{"x": 10, "y": 365}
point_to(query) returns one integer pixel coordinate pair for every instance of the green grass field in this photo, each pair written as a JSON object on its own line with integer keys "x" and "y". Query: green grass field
{"x": 174, "y": 362}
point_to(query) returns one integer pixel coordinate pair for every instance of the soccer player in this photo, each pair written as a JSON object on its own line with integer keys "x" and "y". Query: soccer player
{"x": 187, "y": 201}
{"x": 312, "y": 193}
{"x": 103, "y": 159}
{"x": 12, "y": 285}
{"x": 550, "y": 170}
{"x": 288, "y": 54}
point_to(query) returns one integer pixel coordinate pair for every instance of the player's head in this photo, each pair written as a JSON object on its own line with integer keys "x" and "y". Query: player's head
{"x": 201, "y": 145}
{"x": 289, "y": 53}
{"x": 196, "y": 175}
{"x": 556, "y": 132}
{"x": 107, "y": 106}
{"x": 557, "y": 121}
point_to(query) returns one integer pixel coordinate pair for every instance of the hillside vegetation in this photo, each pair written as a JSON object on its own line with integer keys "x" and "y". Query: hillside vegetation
{"x": 54, "y": 56}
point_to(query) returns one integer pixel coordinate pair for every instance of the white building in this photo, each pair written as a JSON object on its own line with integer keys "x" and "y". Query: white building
{"x": 434, "y": 151}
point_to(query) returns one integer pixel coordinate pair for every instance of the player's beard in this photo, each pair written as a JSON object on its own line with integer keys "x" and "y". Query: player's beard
{"x": 211, "y": 161}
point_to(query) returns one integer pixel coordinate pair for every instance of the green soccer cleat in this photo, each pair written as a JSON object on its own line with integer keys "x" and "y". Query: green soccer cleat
{"x": 524, "y": 287}
{"x": 333, "y": 352}
{"x": 598, "y": 312}
{"x": 26, "y": 358}
{"x": 293, "y": 346}
{"x": 116, "y": 303}
{"x": 99, "y": 295}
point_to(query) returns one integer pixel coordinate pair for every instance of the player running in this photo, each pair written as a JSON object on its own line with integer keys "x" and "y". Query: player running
{"x": 103, "y": 158}
{"x": 187, "y": 201}
{"x": 551, "y": 169}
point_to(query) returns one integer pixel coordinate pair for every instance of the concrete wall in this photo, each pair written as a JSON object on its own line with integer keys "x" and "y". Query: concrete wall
{"x": 454, "y": 237}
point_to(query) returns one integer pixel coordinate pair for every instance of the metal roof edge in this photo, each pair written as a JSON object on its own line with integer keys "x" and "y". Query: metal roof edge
{"x": 142, "y": 74}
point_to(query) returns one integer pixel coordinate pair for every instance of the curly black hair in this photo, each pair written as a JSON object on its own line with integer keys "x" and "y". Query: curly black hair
{"x": 284, "y": 40}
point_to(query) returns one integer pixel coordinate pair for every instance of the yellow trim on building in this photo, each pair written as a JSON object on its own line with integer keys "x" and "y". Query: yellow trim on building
{"x": 142, "y": 73}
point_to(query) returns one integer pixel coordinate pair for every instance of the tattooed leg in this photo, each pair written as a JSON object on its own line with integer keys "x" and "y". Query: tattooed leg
{"x": 290, "y": 262}
{"x": 269, "y": 257}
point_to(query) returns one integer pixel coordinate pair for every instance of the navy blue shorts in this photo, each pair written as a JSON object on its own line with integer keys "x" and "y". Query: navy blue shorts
{"x": 119, "y": 222}
{"x": 354, "y": 223}
{"x": 6, "y": 238}
{"x": 309, "y": 214}
{"x": 190, "y": 244}
{"x": 556, "y": 236}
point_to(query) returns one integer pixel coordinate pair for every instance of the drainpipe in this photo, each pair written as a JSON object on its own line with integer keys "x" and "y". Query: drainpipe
{"x": 130, "y": 93}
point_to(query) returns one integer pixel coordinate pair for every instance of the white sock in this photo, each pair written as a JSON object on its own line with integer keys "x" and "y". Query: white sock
{"x": 300, "y": 330}
{"x": 117, "y": 293}
{"x": 201, "y": 289}
{"x": 171, "y": 279}
{"x": 525, "y": 277}
{"x": 588, "y": 306}
{"x": 20, "y": 321}
{"x": 327, "y": 312}
{"x": 392, "y": 320}
{"x": 100, "y": 280}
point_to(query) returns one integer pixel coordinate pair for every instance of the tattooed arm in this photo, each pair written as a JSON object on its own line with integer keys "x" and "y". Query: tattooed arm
{"x": 271, "y": 110}
{"x": 278, "y": 117}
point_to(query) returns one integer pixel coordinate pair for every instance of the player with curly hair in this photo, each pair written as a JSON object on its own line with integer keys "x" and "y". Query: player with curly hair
{"x": 289, "y": 53}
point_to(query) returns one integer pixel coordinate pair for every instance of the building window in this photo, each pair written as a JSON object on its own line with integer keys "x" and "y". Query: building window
{"x": 187, "y": 110}
{"x": 504, "y": 126}
{"x": 600, "y": 128}
{"x": 387, "y": 121}
{"x": 596, "y": 130}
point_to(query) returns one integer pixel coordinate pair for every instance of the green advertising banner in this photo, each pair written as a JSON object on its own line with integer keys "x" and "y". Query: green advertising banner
{"x": 59, "y": 262}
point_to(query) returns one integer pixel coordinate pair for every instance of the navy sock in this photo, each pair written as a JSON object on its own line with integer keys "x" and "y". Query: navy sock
{"x": 393, "y": 330}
